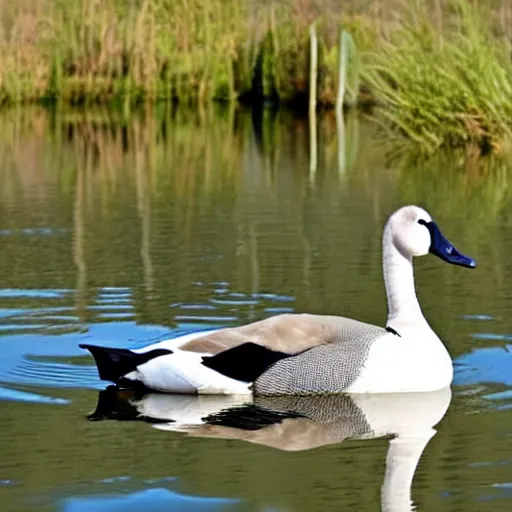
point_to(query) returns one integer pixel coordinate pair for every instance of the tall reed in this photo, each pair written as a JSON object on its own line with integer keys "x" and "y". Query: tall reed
{"x": 191, "y": 51}
{"x": 440, "y": 70}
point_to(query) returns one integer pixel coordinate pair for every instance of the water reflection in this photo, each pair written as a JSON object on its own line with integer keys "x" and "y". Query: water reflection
{"x": 298, "y": 423}
{"x": 123, "y": 229}
{"x": 153, "y": 204}
{"x": 155, "y": 500}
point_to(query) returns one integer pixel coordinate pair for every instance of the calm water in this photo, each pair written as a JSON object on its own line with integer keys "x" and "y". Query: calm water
{"x": 121, "y": 232}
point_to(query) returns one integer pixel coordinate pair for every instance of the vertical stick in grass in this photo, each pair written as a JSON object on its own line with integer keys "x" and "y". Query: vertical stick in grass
{"x": 342, "y": 81}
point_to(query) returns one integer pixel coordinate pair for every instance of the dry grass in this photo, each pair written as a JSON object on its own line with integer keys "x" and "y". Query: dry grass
{"x": 185, "y": 50}
{"x": 441, "y": 74}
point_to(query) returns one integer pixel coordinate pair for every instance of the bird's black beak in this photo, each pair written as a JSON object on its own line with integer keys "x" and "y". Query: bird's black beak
{"x": 443, "y": 249}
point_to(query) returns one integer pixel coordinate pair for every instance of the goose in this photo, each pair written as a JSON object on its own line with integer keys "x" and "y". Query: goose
{"x": 297, "y": 423}
{"x": 298, "y": 354}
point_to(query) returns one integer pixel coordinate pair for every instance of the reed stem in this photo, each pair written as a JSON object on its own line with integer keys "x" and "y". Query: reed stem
{"x": 313, "y": 77}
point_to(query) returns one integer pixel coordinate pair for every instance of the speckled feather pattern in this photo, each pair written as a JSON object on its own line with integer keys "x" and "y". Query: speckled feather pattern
{"x": 328, "y": 368}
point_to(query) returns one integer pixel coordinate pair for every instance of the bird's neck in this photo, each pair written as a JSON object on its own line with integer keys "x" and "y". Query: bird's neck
{"x": 403, "y": 305}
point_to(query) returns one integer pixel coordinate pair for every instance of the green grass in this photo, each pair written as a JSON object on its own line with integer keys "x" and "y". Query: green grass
{"x": 445, "y": 89}
{"x": 188, "y": 51}
{"x": 437, "y": 80}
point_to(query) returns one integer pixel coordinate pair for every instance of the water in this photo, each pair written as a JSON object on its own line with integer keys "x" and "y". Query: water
{"x": 121, "y": 232}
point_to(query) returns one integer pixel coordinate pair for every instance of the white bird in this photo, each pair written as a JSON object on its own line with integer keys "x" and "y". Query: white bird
{"x": 292, "y": 423}
{"x": 297, "y": 354}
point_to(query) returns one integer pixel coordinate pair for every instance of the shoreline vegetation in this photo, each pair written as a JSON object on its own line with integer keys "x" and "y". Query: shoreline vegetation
{"x": 438, "y": 72}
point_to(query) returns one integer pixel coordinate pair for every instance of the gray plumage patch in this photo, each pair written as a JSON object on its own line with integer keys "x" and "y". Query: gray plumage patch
{"x": 328, "y": 368}
{"x": 339, "y": 414}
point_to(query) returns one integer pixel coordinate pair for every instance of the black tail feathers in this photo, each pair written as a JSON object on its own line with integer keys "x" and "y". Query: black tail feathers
{"x": 115, "y": 403}
{"x": 108, "y": 405}
{"x": 114, "y": 363}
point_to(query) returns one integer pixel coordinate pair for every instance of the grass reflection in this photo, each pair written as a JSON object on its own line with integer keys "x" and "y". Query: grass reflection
{"x": 173, "y": 218}
{"x": 159, "y": 199}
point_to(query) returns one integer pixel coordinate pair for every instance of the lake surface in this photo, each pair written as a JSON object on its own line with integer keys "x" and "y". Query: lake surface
{"x": 122, "y": 230}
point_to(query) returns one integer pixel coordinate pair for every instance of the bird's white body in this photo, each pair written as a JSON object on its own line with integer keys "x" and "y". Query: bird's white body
{"x": 394, "y": 365}
{"x": 410, "y": 363}
{"x": 406, "y": 357}
{"x": 183, "y": 372}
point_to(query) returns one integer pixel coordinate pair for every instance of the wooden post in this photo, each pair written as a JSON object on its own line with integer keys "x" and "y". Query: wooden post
{"x": 342, "y": 83}
{"x": 342, "y": 72}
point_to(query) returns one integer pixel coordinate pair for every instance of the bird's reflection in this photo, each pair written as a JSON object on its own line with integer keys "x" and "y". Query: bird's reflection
{"x": 293, "y": 423}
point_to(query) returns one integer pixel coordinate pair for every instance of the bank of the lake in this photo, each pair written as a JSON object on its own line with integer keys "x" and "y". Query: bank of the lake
{"x": 438, "y": 73}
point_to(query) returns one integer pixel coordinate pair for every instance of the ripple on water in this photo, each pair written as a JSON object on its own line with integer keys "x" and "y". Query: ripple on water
{"x": 11, "y": 293}
{"x": 487, "y": 369}
{"x": 484, "y": 366}
{"x": 52, "y": 374}
{"x": 151, "y": 499}
{"x": 225, "y": 307}
{"x": 126, "y": 493}
{"x": 36, "y": 323}
{"x": 278, "y": 311}
{"x": 41, "y": 231}
{"x": 41, "y": 329}
{"x": 17, "y": 395}
{"x": 54, "y": 311}
{"x": 492, "y": 336}
{"x": 243, "y": 301}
